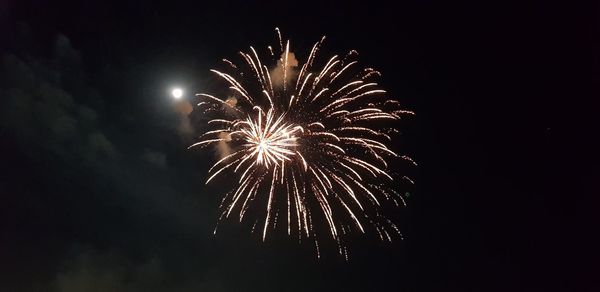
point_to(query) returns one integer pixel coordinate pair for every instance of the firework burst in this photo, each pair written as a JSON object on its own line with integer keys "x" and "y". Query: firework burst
{"x": 308, "y": 144}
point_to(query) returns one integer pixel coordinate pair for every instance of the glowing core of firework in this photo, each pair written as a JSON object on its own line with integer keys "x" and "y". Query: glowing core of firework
{"x": 271, "y": 142}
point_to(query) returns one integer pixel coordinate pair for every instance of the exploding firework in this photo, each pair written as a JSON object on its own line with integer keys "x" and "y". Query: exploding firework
{"x": 308, "y": 145}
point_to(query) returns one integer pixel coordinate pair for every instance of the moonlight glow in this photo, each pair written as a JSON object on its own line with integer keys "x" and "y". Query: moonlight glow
{"x": 177, "y": 93}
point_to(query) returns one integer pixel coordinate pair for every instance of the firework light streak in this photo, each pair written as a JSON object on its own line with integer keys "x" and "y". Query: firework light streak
{"x": 309, "y": 144}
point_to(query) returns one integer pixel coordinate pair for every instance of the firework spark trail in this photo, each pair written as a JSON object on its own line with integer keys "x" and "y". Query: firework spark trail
{"x": 309, "y": 147}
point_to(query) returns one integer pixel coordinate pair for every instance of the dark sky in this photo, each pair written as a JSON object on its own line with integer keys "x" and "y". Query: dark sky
{"x": 99, "y": 193}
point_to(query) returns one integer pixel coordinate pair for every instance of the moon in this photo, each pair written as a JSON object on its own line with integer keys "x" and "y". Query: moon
{"x": 177, "y": 93}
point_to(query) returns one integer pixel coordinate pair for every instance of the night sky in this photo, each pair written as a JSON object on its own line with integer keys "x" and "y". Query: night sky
{"x": 98, "y": 191}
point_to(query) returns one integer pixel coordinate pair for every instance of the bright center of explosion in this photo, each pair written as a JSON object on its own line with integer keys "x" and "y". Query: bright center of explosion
{"x": 263, "y": 145}
{"x": 270, "y": 141}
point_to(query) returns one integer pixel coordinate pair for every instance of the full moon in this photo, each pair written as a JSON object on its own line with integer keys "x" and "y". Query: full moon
{"x": 177, "y": 93}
